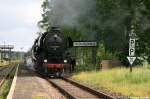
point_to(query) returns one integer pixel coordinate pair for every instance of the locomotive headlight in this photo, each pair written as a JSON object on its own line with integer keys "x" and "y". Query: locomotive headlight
{"x": 65, "y": 61}
{"x": 45, "y": 60}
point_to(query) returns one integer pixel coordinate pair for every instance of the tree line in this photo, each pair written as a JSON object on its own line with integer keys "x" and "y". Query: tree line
{"x": 109, "y": 22}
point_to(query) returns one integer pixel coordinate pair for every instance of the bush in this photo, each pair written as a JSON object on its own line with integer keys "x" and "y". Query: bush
{"x": 105, "y": 55}
{"x": 80, "y": 68}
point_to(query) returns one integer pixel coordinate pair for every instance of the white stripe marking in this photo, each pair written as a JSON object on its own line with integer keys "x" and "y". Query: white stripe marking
{"x": 12, "y": 89}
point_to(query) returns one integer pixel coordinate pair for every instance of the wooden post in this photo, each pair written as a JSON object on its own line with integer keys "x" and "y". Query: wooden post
{"x": 131, "y": 68}
{"x": 94, "y": 55}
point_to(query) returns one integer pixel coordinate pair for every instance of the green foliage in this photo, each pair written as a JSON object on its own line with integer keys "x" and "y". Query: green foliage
{"x": 108, "y": 22}
{"x": 115, "y": 20}
{"x": 72, "y": 32}
{"x": 82, "y": 68}
{"x": 4, "y": 90}
{"x": 102, "y": 54}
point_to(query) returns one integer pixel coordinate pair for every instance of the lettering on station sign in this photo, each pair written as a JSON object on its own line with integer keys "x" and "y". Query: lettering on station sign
{"x": 84, "y": 44}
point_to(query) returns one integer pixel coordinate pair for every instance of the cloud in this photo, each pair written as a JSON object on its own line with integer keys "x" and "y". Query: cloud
{"x": 18, "y": 21}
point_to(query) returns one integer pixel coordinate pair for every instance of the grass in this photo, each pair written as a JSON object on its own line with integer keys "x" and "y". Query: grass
{"x": 80, "y": 68}
{"x": 119, "y": 80}
{"x": 4, "y": 89}
{"x": 6, "y": 63}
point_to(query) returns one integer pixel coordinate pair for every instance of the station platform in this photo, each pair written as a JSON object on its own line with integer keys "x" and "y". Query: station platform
{"x": 30, "y": 86}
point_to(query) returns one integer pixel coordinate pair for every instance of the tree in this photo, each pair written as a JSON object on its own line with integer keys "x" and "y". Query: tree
{"x": 108, "y": 22}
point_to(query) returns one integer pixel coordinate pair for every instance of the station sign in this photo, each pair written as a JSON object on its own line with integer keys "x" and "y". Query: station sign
{"x": 84, "y": 44}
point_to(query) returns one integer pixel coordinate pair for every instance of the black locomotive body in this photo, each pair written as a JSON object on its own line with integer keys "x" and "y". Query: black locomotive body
{"x": 48, "y": 53}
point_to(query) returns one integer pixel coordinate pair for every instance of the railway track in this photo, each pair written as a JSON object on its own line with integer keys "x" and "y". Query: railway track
{"x": 2, "y": 68}
{"x": 4, "y": 73}
{"x": 74, "y": 90}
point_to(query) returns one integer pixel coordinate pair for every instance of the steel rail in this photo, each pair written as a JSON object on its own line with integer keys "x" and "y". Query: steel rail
{"x": 2, "y": 68}
{"x": 90, "y": 90}
{"x": 6, "y": 75}
{"x": 69, "y": 95}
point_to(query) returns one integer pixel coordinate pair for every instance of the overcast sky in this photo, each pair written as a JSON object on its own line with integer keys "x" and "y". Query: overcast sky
{"x": 18, "y": 22}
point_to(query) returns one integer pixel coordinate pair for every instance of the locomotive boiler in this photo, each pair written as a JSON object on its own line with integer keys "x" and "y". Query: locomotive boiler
{"x": 49, "y": 53}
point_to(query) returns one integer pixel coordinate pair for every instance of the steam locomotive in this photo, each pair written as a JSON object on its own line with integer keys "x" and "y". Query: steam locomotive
{"x": 49, "y": 53}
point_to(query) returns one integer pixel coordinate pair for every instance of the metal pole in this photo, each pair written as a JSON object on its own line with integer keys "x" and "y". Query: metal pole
{"x": 9, "y": 56}
{"x": 1, "y": 55}
{"x": 21, "y": 54}
{"x": 94, "y": 55}
{"x": 131, "y": 68}
{"x": 4, "y": 49}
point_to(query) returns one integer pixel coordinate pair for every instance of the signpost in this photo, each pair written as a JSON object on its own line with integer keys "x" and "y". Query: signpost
{"x": 5, "y": 51}
{"x": 77, "y": 44}
{"x": 84, "y": 44}
{"x": 131, "y": 58}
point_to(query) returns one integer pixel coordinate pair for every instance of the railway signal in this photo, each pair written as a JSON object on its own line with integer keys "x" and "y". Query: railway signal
{"x": 131, "y": 58}
{"x": 5, "y": 51}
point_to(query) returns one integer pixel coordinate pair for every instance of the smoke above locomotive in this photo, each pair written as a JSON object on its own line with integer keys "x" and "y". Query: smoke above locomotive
{"x": 68, "y": 12}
